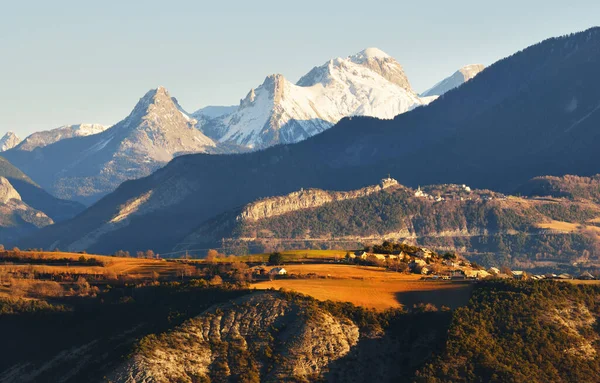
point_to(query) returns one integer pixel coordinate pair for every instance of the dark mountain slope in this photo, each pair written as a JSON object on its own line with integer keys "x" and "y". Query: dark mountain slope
{"x": 533, "y": 113}
{"x": 36, "y": 197}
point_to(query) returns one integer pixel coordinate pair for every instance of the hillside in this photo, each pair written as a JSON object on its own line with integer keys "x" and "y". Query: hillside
{"x": 190, "y": 330}
{"x": 31, "y": 194}
{"x": 16, "y": 217}
{"x": 447, "y": 216}
{"x": 516, "y": 332}
{"x": 568, "y": 186}
{"x": 532, "y": 113}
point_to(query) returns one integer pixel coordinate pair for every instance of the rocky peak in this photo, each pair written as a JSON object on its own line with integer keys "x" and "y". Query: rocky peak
{"x": 385, "y": 65}
{"x": 152, "y": 100}
{"x": 7, "y": 191}
{"x": 373, "y": 59}
{"x": 369, "y": 54}
{"x": 470, "y": 71}
{"x": 249, "y": 99}
{"x": 275, "y": 85}
{"x": 458, "y": 78}
{"x": 9, "y": 141}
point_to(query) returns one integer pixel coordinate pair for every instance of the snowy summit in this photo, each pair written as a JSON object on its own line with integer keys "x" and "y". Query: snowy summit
{"x": 369, "y": 83}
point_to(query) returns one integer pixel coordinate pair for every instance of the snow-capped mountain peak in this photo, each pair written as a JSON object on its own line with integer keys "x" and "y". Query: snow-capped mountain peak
{"x": 369, "y": 83}
{"x": 9, "y": 141}
{"x": 369, "y": 53}
{"x": 47, "y": 137}
{"x": 458, "y": 78}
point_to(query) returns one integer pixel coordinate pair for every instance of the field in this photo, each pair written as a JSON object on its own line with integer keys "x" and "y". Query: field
{"x": 568, "y": 226}
{"x": 370, "y": 287}
{"x": 42, "y": 262}
{"x": 37, "y": 274}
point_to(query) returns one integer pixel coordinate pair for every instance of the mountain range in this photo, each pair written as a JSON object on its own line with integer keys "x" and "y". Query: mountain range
{"x": 532, "y": 113}
{"x": 369, "y": 83}
{"x": 84, "y": 169}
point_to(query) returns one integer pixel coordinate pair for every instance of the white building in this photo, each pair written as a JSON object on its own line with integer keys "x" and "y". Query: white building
{"x": 278, "y": 271}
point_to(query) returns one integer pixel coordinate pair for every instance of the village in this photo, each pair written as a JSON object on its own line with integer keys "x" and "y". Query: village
{"x": 421, "y": 261}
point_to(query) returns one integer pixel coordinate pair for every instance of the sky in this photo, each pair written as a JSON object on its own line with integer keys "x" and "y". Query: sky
{"x": 68, "y": 62}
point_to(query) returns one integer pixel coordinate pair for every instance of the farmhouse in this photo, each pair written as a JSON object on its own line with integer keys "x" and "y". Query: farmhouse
{"x": 417, "y": 263}
{"x": 518, "y": 274}
{"x": 360, "y": 254}
{"x": 278, "y": 271}
{"x": 424, "y": 253}
{"x": 476, "y": 274}
{"x": 494, "y": 270}
{"x": 586, "y": 276}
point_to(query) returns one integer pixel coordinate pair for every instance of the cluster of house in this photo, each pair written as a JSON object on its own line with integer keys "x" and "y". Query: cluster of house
{"x": 515, "y": 274}
{"x": 455, "y": 193}
{"x": 263, "y": 270}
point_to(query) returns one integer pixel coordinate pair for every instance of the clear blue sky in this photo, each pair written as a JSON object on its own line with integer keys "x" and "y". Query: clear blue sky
{"x": 65, "y": 62}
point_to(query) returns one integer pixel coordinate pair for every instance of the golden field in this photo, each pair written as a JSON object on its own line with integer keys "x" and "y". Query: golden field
{"x": 118, "y": 265}
{"x": 370, "y": 287}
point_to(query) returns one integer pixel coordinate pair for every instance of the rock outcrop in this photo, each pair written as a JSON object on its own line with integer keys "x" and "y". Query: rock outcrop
{"x": 305, "y": 199}
{"x": 261, "y": 337}
{"x": 9, "y": 141}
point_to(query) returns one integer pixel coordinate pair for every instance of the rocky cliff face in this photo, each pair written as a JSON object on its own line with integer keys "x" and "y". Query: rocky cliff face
{"x": 16, "y": 217}
{"x": 9, "y": 141}
{"x": 261, "y": 337}
{"x": 305, "y": 199}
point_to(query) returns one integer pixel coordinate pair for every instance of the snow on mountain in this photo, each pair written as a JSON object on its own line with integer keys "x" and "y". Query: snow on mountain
{"x": 459, "y": 77}
{"x": 9, "y": 141}
{"x": 47, "y": 137}
{"x": 86, "y": 168}
{"x": 369, "y": 83}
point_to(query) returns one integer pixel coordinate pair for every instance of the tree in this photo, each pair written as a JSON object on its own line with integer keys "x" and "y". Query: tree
{"x": 216, "y": 280}
{"x": 211, "y": 255}
{"x": 140, "y": 254}
{"x": 150, "y": 254}
{"x": 449, "y": 256}
{"x": 276, "y": 258}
